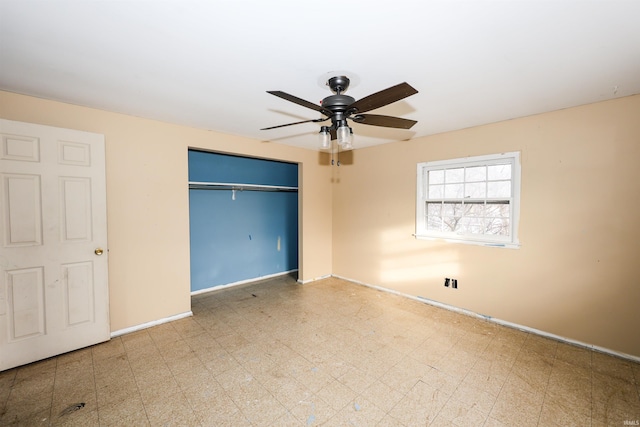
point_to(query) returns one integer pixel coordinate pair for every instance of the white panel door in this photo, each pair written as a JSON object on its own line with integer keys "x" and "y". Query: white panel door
{"x": 54, "y": 294}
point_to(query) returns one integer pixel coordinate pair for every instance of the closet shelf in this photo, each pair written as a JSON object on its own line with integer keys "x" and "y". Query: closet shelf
{"x": 194, "y": 185}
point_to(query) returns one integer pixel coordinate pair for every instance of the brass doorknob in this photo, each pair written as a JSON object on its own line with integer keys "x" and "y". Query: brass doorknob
{"x": 98, "y": 251}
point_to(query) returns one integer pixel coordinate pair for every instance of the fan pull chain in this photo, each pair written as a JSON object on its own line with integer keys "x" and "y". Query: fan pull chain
{"x": 337, "y": 160}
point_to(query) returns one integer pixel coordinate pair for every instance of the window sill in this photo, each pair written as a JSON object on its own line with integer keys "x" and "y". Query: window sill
{"x": 507, "y": 245}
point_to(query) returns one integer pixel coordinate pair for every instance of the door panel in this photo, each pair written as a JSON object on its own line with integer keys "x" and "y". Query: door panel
{"x": 23, "y": 214}
{"x": 26, "y": 303}
{"x": 75, "y": 205}
{"x": 21, "y": 148}
{"x": 54, "y": 288}
{"x": 78, "y": 287}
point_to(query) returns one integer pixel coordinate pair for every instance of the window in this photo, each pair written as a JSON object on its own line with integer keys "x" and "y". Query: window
{"x": 470, "y": 200}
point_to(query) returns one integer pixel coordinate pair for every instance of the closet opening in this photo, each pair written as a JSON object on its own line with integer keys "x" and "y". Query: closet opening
{"x": 243, "y": 219}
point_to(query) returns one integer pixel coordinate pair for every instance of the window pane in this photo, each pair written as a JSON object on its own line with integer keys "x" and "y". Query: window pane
{"x": 436, "y": 177}
{"x": 453, "y": 209}
{"x": 434, "y": 223}
{"x": 472, "y": 225}
{"x": 436, "y": 192}
{"x": 497, "y": 226}
{"x": 454, "y": 175}
{"x": 495, "y": 210}
{"x": 475, "y": 210}
{"x": 476, "y": 173}
{"x": 499, "y": 172}
{"x": 453, "y": 191}
{"x": 434, "y": 209}
{"x": 475, "y": 190}
{"x": 450, "y": 223}
{"x": 499, "y": 189}
{"x": 449, "y": 209}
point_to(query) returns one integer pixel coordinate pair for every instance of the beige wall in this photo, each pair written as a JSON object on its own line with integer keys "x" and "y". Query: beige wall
{"x": 577, "y": 273}
{"x": 148, "y": 205}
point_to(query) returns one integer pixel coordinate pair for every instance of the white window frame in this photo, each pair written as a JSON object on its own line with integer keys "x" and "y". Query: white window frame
{"x": 510, "y": 241}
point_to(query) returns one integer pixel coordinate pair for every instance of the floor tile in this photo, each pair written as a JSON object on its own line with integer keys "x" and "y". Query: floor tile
{"x": 517, "y": 406}
{"x": 460, "y": 413}
{"x": 359, "y": 412}
{"x": 420, "y": 406}
{"x": 336, "y": 394}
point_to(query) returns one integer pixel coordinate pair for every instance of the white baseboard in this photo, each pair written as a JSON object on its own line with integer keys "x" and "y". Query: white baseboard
{"x": 497, "y": 321}
{"x": 241, "y": 282}
{"x": 326, "y": 276}
{"x": 150, "y": 324}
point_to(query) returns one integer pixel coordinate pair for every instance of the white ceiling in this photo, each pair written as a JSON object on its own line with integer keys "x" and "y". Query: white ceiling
{"x": 208, "y": 64}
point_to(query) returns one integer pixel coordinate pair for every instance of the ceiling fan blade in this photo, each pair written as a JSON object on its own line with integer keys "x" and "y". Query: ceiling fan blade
{"x": 297, "y": 123}
{"x": 386, "y": 121}
{"x": 298, "y": 101}
{"x": 382, "y": 98}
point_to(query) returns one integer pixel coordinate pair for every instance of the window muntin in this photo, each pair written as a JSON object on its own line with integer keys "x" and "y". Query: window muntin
{"x": 473, "y": 200}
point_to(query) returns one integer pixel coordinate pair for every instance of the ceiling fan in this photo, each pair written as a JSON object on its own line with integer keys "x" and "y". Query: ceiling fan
{"x": 339, "y": 107}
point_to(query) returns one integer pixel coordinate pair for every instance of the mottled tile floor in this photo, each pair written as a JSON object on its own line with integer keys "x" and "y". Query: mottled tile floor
{"x": 333, "y": 353}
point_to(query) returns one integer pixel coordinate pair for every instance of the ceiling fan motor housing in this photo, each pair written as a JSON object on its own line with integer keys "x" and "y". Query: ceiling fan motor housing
{"x": 337, "y": 103}
{"x": 338, "y": 106}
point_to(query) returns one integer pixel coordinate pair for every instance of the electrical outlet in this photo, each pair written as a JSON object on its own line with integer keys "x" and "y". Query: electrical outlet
{"x": 446, "y": 282}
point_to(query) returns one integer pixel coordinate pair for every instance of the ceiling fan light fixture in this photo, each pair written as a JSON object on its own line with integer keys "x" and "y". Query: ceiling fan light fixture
{"x": 324, "y": 137}
{"x": 348, "y": 145}
{"x": 344, "y": 135}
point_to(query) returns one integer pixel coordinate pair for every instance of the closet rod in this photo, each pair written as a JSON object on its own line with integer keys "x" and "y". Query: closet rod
{"x": 194, "y": 185}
